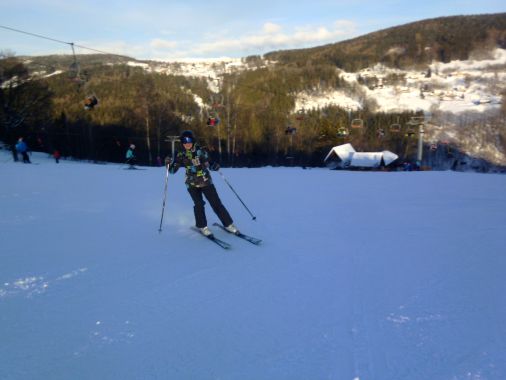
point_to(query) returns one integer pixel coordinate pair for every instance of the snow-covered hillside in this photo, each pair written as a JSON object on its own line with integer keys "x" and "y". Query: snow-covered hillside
{"x": 456, "y": 87}
{"x": 460, "y": 99}
{"x": 360, "y": 276}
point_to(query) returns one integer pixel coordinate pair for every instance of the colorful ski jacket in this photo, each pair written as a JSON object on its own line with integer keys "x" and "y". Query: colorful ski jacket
{"x": 196, "y": 163}
{"x": 129, "y": 154}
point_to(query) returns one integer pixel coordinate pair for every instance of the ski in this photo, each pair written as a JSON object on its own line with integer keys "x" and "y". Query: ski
{"x": 251, "y": 239}
{"x": 221, "y": 243}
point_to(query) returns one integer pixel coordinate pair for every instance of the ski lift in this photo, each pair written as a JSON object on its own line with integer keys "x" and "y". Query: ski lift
{"x": 90, "y": 102}
{"x": 396, "y": 128}
{"x": 290, "y": 130}
{"x": 357, "y": 123}
{"x": 300, "y": 115}
{"x": 416, "y": 120}
{"x": 410, "y": 132}
{"x": 213, "y": 119}
{"x": 342, "y": 132}
{"x": 216, "y": 101}
{"x": 75, "y": 74}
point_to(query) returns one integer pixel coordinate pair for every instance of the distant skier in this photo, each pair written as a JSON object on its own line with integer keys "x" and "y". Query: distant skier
{"x": 22, "y": 148}
{"x": 56, "y": 156}
{"x": 195, "y": 160}
{"x": 130, "y": 156}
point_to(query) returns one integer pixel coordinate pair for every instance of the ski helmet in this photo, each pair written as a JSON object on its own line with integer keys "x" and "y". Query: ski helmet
{"x": 187, "y": 137}
{"x": 132, "y": 146}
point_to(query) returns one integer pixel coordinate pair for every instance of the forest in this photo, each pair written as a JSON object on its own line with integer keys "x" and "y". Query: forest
{"x": 250, "y": 121}
{"x": 253, "y": 118}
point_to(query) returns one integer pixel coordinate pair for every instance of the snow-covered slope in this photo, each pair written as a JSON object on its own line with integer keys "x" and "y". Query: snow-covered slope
{"x": 360, "y": 276}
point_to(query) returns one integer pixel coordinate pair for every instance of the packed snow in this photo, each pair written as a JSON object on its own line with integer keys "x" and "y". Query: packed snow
{"x": 361, "y": 275}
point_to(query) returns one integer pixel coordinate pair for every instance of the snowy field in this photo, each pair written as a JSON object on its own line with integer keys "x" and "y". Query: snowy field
{"x": 370, "y": 276}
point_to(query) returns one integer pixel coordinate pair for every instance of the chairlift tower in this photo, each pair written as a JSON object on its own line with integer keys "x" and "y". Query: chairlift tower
{"x": 421, "y": 132}
{"x": 420, "y": 122}
{"x": 172, "y": 140}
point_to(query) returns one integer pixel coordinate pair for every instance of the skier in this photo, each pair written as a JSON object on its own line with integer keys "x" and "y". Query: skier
{"x": 22, "y": 148}
{"x": 195, "y": 160}
{"x": 56, "y": 155}
{"x": 130, "y": 156}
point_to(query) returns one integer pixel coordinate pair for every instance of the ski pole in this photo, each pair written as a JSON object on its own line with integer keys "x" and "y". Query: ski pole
{"x": 237, "y": 195}
{"x": 164, "y": 197}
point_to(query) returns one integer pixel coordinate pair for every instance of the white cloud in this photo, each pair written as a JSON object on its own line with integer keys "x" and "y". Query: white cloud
{"x": 158, "y": 43}
{"x": 271, "y": 37}
{"x": 270, "y": 27}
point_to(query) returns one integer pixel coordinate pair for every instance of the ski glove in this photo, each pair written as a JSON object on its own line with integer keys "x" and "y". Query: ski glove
{"x": 214, "y": 166}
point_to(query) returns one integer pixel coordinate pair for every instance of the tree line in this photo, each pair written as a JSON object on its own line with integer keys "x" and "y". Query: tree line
{"x": 255, "y": 122}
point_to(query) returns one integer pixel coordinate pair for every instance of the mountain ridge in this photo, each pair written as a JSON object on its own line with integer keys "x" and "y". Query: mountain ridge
{"x": 266, "y": 94}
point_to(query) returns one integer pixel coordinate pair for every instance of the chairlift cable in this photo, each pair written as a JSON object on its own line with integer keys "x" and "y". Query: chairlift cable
{"x": 59, "y": 41}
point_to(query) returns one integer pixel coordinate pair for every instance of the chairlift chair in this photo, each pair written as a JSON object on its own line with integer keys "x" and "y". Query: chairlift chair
{"x": 90, "y": 102}
{"x": 213, "y": 121}
{"x": 217, "y": 101}
{"x": 290, "y": 130}
{"x": 300, "y": 115}
{"x": 416, "y": 120}
{"x": 395, "y": 128}
{"x": 342, "y": 132}
{"x": 357, "y": 123}
{"x": 213, "y": 118}
{"x": 410, "y": 131}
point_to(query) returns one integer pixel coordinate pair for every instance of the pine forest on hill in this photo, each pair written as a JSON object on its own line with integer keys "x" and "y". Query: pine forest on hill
{"x": 256, "y": 107}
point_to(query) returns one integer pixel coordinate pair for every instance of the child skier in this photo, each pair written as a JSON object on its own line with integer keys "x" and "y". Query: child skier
{"x": 195, "y": 160}
{"x": 130, "y": 156}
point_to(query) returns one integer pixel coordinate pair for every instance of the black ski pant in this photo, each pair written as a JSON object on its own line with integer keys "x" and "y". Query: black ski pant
{"x": 214, "y": 200}
{"x": 26, "y": 158}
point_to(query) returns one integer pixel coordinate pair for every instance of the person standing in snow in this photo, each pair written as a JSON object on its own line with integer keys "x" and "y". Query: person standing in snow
{"x": 56, "y": 156}
{"x": 195, "y": 160}
{"x": 22, "y": 148}
{"x": 130, "y": 156}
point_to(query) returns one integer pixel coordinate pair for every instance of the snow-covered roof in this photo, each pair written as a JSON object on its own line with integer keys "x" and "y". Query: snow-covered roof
{"x": 349, "y": 157}
{"x": 344, "y": 152}
{"x": 366, "y": 159}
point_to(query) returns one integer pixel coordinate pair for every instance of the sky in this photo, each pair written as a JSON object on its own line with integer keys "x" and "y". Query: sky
{"x": 360, "y": 275}
{"x": 192, "y": 29}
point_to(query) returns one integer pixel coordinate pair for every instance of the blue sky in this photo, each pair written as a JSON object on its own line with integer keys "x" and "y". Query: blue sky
{"x": 171, "y": 30}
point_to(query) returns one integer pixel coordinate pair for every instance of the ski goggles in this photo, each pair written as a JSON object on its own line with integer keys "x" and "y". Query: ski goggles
{"x": 186, "y": 140}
